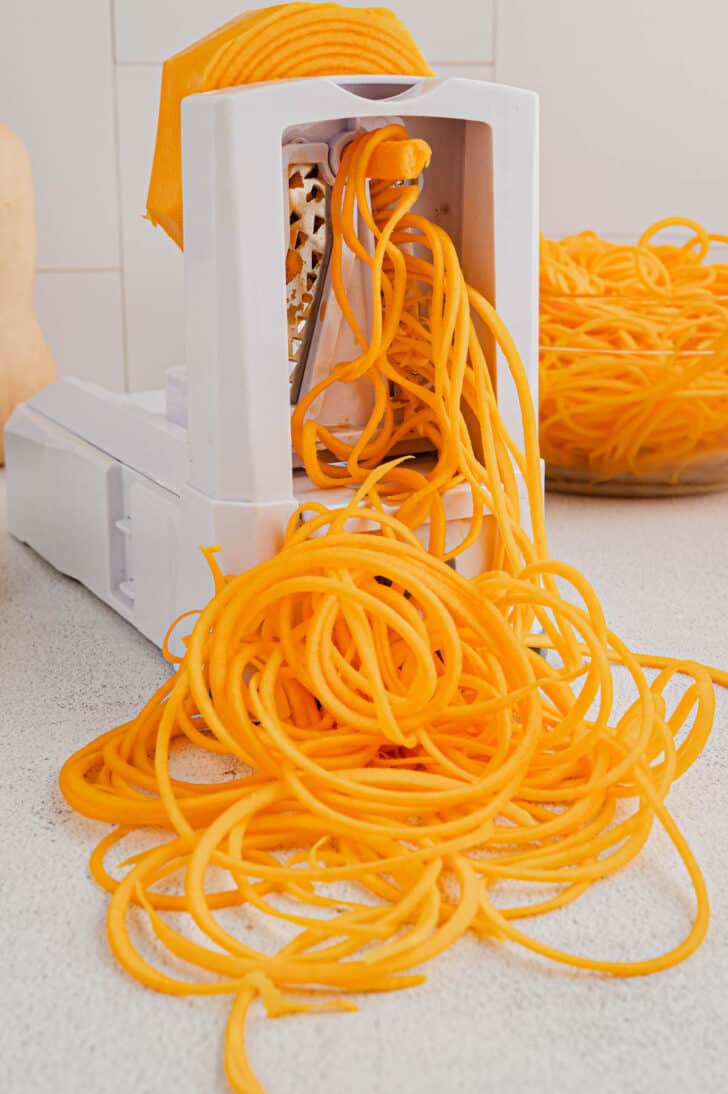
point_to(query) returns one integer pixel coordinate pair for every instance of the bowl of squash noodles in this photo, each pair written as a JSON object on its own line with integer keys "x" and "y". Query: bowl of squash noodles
{"x": 634, "y": 362}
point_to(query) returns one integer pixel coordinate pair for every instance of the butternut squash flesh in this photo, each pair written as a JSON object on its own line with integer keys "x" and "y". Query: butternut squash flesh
{"x": 292, "y": 40}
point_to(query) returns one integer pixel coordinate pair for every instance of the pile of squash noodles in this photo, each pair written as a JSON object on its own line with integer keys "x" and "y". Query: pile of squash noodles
{"x": 634, "y": 357}
{"x": 392, "y": 726}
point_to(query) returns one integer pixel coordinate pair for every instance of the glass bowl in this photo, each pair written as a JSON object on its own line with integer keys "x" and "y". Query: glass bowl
{"x": 634, "y": 393}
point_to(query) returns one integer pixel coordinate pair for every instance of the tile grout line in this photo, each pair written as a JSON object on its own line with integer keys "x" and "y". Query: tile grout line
{"x": 77, "y": 269}
{"x": 119, "y": 202}
{"x": 495, "y": 40}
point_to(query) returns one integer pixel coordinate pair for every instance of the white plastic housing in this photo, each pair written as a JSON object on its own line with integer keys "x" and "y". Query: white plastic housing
{"x": 120, "y": 491}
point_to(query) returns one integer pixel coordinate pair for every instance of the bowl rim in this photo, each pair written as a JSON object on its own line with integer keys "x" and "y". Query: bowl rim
{"x": 613, "y": 351}
{"x": 675, "y": 299}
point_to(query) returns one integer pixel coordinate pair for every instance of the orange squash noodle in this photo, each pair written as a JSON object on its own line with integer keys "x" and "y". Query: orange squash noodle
{"x": 427, "y": 367}
{"x": 394, "y": 730}
{"x": 634, "y": 355}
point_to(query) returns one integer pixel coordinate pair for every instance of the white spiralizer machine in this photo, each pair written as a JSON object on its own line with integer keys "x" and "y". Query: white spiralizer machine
{"x": 119, "y": 491}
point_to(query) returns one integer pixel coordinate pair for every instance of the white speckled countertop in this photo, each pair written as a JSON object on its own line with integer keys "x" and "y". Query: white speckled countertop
{"x": 489, "y": 1018}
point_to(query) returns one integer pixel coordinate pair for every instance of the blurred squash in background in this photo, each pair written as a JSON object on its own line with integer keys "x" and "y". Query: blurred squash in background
{"x": 26, "y": 364}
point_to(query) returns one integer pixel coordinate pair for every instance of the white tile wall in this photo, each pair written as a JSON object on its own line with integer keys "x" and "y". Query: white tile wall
{"x": 56, "y": 92}
{"x": 634, "y": 110}
{"x": 80, "y": 314}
